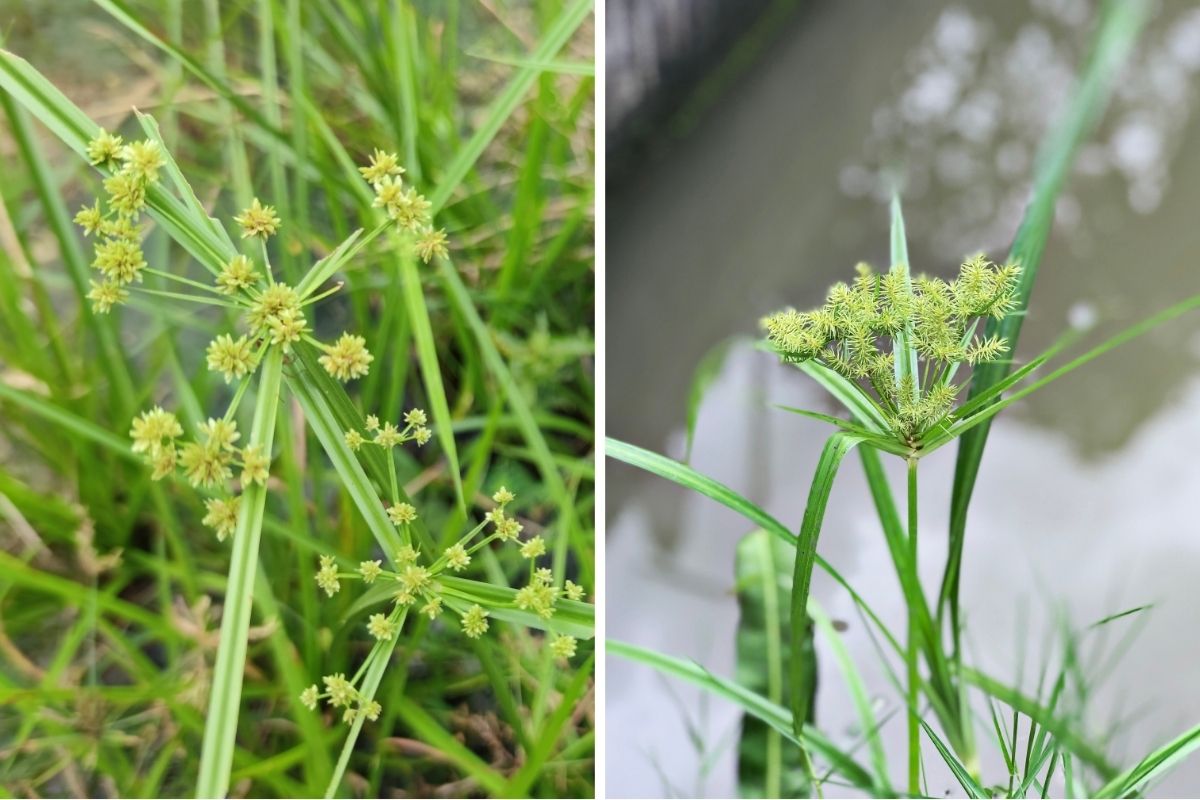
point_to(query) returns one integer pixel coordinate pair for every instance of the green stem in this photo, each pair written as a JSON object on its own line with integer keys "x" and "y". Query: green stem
{"x": 381, "y": 655}
{"x": 220, "y": 732}
{"x": 914, "y": 679}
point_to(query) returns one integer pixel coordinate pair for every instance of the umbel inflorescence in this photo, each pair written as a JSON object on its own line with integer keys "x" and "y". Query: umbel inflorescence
{"x": 417, "y": 582}
{"x": 272, "y": 313}
{"x": 858, "y": 331}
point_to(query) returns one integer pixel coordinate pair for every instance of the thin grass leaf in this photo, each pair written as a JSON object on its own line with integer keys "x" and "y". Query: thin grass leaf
{"x": 553, "y": 40}
{"x": 957, "y": 768}
{"x": 1119, "y": 28}
{"x": 1154, "y": 766}
{"x": 905, "y": 363}
{"x": 859, "y": 696}
{"x": 774, "y": 715}
{"x": 220, "y": 730}
{"x": 427, "y": 359}
{"x": 836, "y": 447}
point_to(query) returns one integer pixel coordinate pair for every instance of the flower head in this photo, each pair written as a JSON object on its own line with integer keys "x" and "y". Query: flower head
{"x": 104, "y": 148}
{"x": 370, "y": 570}
{"x": 432, "y": 243}
{"x": 380, "y": 627}
{"x": 474, "y": 622}
{"x": 238, "y": 274}
{"x": 205, "y": 464}
{"x": 258, "y": 220}
{"x": 255, "y": 465}
{"x": 143, "y": 159}
{"x": 232, "y": 357}
{"x": 402, "y": 513}
{"x": 354, "y": 439}
{"x": 309, "y": 697}
{"x": 90, "y": 218}
{"x": 153, "y": 427}
{"x": 222, "y": 515}
{"x": 533, "y": 548}
{"x": 347, "y": 358}
{"x": 415, "y": 417}
{"x": 563, "y": 646}
{"x": 327, "y": 576}
{"x": 457, "y": 558}
{"x": 383, "y": 165}
{"x": 120, "y": 260}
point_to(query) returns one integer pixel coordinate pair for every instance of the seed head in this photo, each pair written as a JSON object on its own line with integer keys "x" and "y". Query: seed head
{"x": 533, "y": 548}
{"x": 421, "y": 436}
{"x": 309, "y": 697}
{"x": 152, "y": 427}
{"x": 231, "y": 357}
{"x": 327, "y": 578}
{"x": 563, "y": 646}
{"x": 90, "y": 218}
{"x": 503, "y": 497}
{"x": 457, "y": 558}
{"x": 120, "y": 260}
{"x": 238, "y": 274}
{"x": 415, "y": 417}
{"x": 572, "y": 590}
{"x": 220, "y": 433}
{"x": 258, "y": 220}
{"x": 414, "y": 578}
{"x": 433, "y": 608}
{"x": 538, "y": 596}
{"x": 204, "y": 464}
{"x": 106, "y": 295}
{"x": 388, "y": 435}
{"x": 475, "y": 622}
{"x": 406, "y": 555}
{"x": 381, "y": 627}
{"x": 401, "y": 513}
{"x": 383, "y": 165}
{"x": 341, "y": 691}
{"x": 126, "y": 193}
{"x": 104, "y": 148}
{"x": 347, "y": 358}
{"x": 432, "y": 243}
{"x": 143, "y": 159}
{"x": 354, "y": 440}
{"x": 255, "y": 465}
{"x": 222, "y": 515}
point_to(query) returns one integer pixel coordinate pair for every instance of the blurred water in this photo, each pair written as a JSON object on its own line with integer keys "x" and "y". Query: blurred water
{"x": 1084, "y": 506}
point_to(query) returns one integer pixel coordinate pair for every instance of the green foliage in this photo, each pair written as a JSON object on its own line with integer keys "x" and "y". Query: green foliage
{"x": 302, "y": 92}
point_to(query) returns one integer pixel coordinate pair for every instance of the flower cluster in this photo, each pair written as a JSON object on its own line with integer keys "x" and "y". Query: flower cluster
{"x": 133, "y": 169}
{"x": 388, "y": 435}
{"x": 418, "y": 583}
{"x": 406, "y": 206}
{"x": 272, "y": 314}
{"x": 939, "y": 319}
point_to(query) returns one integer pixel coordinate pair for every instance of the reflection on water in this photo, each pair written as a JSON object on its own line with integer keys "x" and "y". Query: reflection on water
{"x": 1083, "y": 496}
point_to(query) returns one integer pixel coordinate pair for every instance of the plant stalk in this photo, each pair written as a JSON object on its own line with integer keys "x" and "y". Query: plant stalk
{"x": 914, "y": 678}
{"x": 220, "y": 731}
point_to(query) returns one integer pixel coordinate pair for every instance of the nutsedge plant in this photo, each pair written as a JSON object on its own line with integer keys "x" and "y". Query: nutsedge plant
{"x": 273, "y": 320}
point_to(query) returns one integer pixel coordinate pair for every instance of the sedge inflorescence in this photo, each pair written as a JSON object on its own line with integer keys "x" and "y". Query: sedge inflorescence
{"x": 857, "y": 332}
{"x": 404, "y": 205}
{"x": 416, "y": 585}
{"x": 272, "y": 314}
{"x": 133, "y": 168}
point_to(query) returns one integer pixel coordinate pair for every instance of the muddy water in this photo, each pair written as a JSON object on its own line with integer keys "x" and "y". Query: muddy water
{"x": 1086, "y": 499}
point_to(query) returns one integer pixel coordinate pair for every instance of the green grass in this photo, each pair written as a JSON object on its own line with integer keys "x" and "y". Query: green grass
{"x": 283, "y": 100}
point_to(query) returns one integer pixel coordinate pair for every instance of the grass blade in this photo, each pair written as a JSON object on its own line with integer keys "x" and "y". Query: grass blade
{"x": 836, "y": 447}
{"x": 220, "y": 730}
{"x": 772, "y": 714}
{"x": 1119, "y": 29}
{"x": 906, "y": 355}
